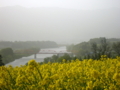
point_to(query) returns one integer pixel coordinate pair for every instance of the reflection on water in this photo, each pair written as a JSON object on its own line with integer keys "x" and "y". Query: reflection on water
{"x": 40, "y": 57}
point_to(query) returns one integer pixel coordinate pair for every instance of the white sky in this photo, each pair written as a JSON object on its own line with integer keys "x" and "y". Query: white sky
{"x": 78, "y": 4}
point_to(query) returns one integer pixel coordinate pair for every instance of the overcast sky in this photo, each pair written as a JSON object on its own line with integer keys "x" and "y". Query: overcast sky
{"x": 60, "y": 25}
{"x": 78, "y": 4}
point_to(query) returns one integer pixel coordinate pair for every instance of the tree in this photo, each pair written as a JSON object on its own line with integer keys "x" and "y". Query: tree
{"x": 116, "y": 48}
{"x": 47, "y": 59}
{"x": 7, "y": 51}
{"x": 7, "y": 54}
{"x": 54, "y": 57}
{"x": 104, "y": 48}
{"x": 1, "y": 63}
{"x": 65, "y": 56}
{"x": 94, "y": 47}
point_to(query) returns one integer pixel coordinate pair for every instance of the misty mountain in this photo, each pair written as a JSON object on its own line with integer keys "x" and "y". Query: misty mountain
{"x": 58, "y": 24}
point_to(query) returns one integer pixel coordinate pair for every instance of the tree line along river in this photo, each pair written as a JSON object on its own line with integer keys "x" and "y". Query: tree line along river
{"x": 39, "y": 57}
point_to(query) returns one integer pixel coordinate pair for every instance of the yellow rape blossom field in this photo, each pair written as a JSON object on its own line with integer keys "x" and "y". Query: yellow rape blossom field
{"x": 103, "y": 74}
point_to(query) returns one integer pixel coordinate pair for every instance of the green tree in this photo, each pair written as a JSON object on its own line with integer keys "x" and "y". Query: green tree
{"x": 105, "y": 48}
{"x": 94, "y": 48}
{"x": 7, "y": 54}
{"x": 116, "y": 48}
{"x": 7, "y": 51}
{"x": 1, "y": 63}
{"x": 65, "y": 56}
{"x": 54, "y": 58}
{"x": 46, "y": 60}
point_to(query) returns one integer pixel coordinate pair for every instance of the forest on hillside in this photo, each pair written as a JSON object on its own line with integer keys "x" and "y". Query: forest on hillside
{"x": 96, "y": 47}
{"x": 27, "y": 44}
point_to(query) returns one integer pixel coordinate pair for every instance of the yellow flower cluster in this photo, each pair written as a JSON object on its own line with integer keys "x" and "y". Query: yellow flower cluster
{"x": 75, "y": 75}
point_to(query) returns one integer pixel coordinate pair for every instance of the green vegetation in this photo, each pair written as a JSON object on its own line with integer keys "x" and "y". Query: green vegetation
{"x": 93, "y": 49}
{"x": 116, "y": 47}
{"x": 25, "y": 52}
{"x": 9, "y": 55}
{"x": 15, "y": 50}
{"x": 27, "y": 44}
{"x": 56, "y": 58}
{"x": 96, "y": 47}
{"x": 1, "y": 63}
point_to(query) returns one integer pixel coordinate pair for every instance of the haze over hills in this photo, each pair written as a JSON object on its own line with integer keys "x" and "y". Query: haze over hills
{"x": 58, "y": 24}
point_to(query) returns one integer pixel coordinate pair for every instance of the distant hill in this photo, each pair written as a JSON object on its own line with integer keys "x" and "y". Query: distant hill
{"x": 58, "y": 24}
{"x": 84, "y": 48}
{"x": 27, "y": 44}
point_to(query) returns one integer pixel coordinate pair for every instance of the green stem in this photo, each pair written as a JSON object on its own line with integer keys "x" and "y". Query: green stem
{"x": 39, "y": 72}
{"x": 35, "y": 79}
{"x": 11, "y": 78}
{"x": 27, "y": 79}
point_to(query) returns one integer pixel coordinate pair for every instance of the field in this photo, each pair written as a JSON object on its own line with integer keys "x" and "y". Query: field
{"x": 103, "y": 74}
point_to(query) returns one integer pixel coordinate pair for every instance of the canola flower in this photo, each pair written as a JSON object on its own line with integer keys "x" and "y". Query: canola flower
{"x": 103, "y": 74}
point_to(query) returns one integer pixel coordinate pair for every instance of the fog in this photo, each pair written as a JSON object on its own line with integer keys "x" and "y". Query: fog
{"x": 62, "y": 21}
{"x": 76, "y": 4}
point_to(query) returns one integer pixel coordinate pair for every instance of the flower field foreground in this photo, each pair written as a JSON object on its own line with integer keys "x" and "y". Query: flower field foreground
{"x": 103, "y": 74}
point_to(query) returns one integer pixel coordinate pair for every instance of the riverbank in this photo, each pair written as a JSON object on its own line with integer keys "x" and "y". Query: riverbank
{"x": 39, "y": 57}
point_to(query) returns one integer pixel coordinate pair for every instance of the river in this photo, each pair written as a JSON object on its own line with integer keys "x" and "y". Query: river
{"x": 39, "y": 57}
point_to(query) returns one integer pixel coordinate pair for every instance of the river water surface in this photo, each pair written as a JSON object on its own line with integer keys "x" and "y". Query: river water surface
{"x": 39, "y": 57}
